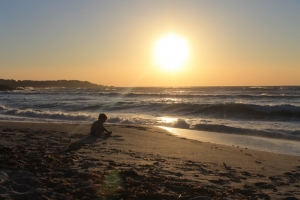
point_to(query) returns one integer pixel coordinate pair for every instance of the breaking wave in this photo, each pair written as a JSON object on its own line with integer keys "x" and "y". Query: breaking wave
{"x": 204, "y": 125}
{"x": 45, "y": 114}
{"x": 184, "y": 95}
{"x": 293, "y": 135}
{"x": 238, "y": 110}
{"x": 278, "y": 134}
{"x": 225, "y": 110}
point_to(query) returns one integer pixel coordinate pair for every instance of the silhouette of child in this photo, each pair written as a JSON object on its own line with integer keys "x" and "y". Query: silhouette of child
{"x": 98, "y": 128}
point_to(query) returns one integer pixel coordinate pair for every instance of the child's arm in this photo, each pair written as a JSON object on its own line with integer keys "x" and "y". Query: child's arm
{"x": 108, "y": 131}
{"x": 104, "y": 129}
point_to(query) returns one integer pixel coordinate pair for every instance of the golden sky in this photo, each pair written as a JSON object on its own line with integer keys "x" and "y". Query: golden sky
{"x": 231, "y": 43}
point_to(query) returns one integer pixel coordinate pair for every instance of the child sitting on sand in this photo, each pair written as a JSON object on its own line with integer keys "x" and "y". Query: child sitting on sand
{"x": 98, "y": 128}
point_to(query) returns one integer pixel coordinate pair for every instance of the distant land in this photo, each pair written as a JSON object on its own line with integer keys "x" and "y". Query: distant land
{"x": 10, "y": 84}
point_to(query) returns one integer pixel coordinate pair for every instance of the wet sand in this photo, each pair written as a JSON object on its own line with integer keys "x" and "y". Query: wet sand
{"x": 61, "y": 161}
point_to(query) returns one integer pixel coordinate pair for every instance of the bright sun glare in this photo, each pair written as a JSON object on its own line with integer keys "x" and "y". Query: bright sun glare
{"x": 171, "y": 52}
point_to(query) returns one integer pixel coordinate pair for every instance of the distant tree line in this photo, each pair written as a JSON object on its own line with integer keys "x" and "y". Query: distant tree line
{"x": 13, "y": 84}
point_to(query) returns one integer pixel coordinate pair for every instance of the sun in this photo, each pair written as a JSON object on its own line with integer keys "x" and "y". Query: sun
{"x": 171, "y": 52}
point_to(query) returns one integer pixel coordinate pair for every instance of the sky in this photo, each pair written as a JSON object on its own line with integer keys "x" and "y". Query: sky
{"x": 231, "y": 43}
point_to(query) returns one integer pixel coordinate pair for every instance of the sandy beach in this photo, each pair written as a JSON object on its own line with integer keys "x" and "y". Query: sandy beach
{"x": 61, "y": 161}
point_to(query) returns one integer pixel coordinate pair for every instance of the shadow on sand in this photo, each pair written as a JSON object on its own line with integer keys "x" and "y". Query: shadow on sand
{"x": 84, "y": 142}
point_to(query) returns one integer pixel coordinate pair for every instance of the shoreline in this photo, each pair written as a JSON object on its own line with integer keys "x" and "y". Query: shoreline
{"x": 289, "y": 145}
{"x": 61, "y": 160}
{"x": 259, "y": 143}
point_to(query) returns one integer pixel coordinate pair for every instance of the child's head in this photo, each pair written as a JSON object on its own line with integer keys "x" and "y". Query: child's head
{"x": 102, "y": 117}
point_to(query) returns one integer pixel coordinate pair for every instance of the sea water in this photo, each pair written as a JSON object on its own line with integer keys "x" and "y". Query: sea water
{"x": 279, "y": 146}
{"x": 263, "y": 112}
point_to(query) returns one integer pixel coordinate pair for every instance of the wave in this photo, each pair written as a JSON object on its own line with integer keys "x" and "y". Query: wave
{"x": 112, "y": 106}
{"x": 119, "y": 120}
{"x": 177, "y": 95}
{"x": 45, "y": 114}
{"x": 2, "y": 108}
{"x": 272, "y": 88}
{"x": 202, "y": 125}
{"x": 257, "y": 93}
{"x": 181, "y": 123}
{"x": 285, "y": 112}
{"x": 238, "y": 110}
{"x": 222, "y": 110}
{"x": 220, "y": 128}
{"x": 292, "y": 135}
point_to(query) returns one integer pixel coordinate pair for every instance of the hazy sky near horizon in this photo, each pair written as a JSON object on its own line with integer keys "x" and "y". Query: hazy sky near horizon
{"x": 231, "y": 42}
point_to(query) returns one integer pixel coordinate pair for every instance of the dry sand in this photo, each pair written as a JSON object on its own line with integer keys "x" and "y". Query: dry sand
{"x": 61, "y": 161}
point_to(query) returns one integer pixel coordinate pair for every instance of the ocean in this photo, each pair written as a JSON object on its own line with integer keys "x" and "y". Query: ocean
{"x": 264, "y": 112}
